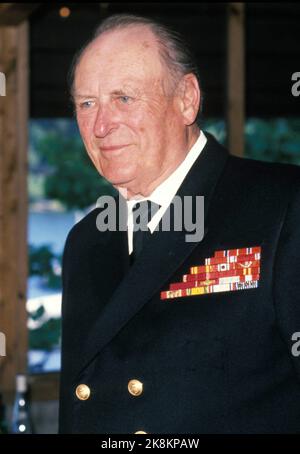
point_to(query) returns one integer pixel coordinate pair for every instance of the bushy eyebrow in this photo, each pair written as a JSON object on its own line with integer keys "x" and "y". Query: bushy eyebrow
{"x": 114, "y": 92}
{"x": 118, "y": 92}
{"x": 79, "y": 96}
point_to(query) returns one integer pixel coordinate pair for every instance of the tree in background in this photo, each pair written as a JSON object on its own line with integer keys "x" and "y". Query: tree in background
{"x": 273, "y": 140}
{"x": 68, "y": 175}
{"x": 72, "y": 178}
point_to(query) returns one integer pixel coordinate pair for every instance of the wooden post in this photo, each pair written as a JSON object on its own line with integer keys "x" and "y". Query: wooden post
{"x": 13, "y": 201}
{"x": 15, "y": 13}
{"x": 235, "y": 78}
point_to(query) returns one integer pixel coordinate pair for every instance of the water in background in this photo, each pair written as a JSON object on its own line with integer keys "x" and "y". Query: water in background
{"x": 46, "y": 228}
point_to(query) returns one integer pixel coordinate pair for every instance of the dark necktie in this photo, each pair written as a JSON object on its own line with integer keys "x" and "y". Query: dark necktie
{"x": 142, "y": 213}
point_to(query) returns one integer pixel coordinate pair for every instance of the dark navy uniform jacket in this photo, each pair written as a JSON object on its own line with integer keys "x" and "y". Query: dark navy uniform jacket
{"x": 221, "y": 362}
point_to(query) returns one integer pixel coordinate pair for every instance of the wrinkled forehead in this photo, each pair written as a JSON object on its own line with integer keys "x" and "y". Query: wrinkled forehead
{"x": 131, "y": 53}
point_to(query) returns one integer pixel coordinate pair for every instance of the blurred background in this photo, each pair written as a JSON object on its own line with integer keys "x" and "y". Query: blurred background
{"x": 248, "y": 57}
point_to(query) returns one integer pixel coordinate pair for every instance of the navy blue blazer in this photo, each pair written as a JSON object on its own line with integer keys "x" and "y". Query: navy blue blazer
{"x": 220, "y": 362}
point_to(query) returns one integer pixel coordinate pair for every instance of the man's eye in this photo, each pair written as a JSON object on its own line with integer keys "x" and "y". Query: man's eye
{"x": 125, "y": 99}
{"x": 85, "y": 104}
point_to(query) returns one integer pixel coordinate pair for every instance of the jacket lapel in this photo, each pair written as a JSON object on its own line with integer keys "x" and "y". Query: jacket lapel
{"x": 162, "y": 254}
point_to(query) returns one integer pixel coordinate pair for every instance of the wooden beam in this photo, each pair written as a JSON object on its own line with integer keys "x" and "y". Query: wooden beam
{"x": 22, "y": 172}
{"x": 15, "y": 13}
{"x": 43, "y": 387}
{"x": 13, "y": 202}
{"x": 235, "y": 78}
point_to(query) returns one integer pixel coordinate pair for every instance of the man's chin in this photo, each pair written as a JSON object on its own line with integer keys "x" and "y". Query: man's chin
{"x": 120, "y": 184}
{"x": 127, "y": 190}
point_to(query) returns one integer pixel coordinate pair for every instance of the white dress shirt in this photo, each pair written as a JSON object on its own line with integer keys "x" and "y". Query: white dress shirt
{"x": 165, "y": 192}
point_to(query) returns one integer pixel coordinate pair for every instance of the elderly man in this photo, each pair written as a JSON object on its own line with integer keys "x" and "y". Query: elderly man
{"x": 166, "y": 335}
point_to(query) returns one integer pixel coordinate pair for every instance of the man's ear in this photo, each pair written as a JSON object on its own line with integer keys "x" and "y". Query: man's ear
{"x": 189, "y": 94}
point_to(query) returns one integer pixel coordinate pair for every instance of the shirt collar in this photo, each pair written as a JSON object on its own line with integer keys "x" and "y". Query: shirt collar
{"x": 164, "y": 193}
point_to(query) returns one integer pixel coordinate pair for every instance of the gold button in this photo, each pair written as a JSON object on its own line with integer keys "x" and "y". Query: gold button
{"x": 135, "y": 387}
{"x": 83, "y": 392}
{"x": 140, "y": 432}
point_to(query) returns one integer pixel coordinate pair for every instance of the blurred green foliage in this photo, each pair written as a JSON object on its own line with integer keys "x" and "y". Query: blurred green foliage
{"x": 43, "y": 262}
{"x": 47, "y": 336}
{"x": 71, "y": 177}
{"x": 273, "y": 140}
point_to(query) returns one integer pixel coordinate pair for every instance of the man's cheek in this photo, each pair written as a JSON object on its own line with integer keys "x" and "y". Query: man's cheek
{"x": 85, "y": 123}
{"x": 82, "y": 131}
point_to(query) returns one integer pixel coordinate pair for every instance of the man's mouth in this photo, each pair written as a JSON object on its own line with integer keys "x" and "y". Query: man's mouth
{"x": 109, "y": 148}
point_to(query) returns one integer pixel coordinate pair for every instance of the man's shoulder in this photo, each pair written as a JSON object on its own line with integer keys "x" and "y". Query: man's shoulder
{"x": 244, "y": 170}
{"x": 84, "y": 231}
{"x": 261, "y": 173}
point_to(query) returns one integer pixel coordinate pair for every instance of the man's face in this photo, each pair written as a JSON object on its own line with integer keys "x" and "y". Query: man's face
{"x": 130, "y": 123}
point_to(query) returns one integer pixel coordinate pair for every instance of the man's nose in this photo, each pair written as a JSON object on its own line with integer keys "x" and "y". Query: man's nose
{"x": 105, "y": 121}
